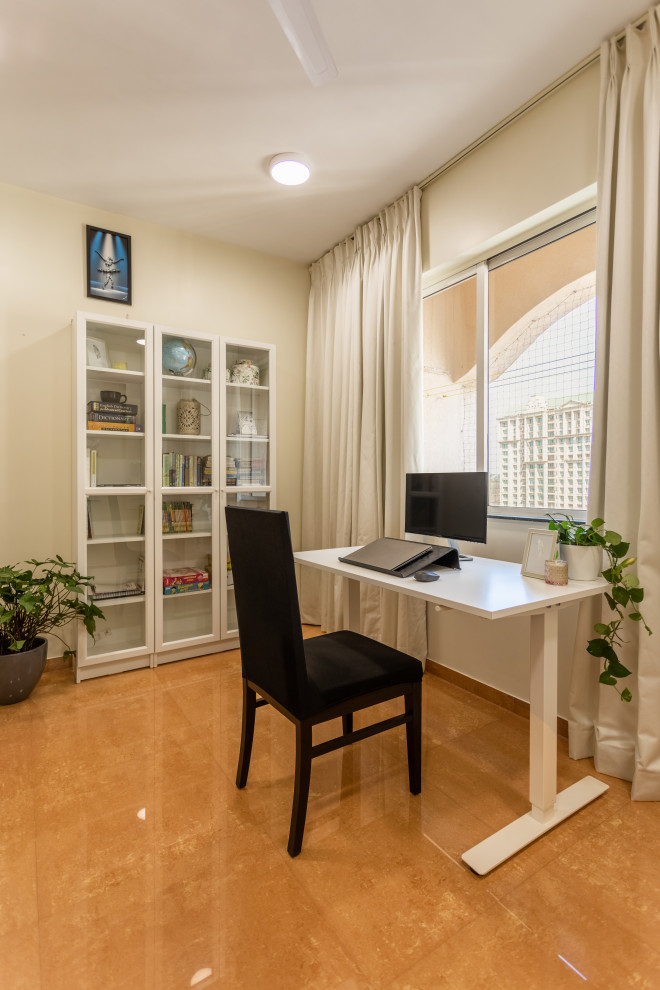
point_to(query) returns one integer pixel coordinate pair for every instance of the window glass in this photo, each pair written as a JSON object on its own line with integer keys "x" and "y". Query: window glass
{"x": 449, "y": 378}
{"x": 542, "y": 322}
{"x": 537, "y": 394}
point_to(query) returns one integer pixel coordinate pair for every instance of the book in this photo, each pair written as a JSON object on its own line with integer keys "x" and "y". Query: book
{"x": 180, "y": 589}
{"x": 121, "y": 427}
{"x": 99, "y": 417}
{"x": 92, "y": 468}
{"x": 127, "y": 408}
{"x": 140, "y": 523}
{"x": 177, "y": 517}
{"x": 183, "y": 575}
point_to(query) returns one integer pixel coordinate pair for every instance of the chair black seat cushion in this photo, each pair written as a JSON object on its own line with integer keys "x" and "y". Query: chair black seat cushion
{"x": 342, "y": 665}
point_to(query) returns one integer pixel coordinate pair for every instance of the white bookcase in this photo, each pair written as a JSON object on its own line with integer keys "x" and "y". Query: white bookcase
{"x": 150, "y": 491}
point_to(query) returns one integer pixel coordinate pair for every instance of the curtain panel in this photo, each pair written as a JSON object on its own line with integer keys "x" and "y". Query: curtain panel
{"x": 363, "y": 412}
{"x": 624, "y": 739}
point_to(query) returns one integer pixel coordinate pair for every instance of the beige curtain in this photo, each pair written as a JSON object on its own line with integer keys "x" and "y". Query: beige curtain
{"x": 363, "y": 414}
{"x": 625, "y": 474}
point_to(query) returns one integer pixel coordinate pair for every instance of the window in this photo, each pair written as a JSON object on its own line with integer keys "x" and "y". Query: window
{"x": 509, "y": 363}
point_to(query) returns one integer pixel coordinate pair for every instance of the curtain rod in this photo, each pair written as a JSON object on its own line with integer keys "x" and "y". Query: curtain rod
{"x": 526, "y": 107}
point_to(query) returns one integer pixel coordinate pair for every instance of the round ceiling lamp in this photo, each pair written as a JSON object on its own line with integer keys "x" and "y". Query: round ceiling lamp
{"x": 289, "y": 169}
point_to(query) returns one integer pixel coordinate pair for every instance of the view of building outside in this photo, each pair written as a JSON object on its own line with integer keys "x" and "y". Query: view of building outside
{"x": 541, "y": 417}
{"x": 541, "y": 335}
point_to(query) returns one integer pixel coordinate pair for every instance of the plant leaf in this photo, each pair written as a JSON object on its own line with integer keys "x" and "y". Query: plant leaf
{"x": 621, "y": 595}
{"x": 626, "y": 695}
{"x": 606, "y": 678}
{"x": 617, "y": 669}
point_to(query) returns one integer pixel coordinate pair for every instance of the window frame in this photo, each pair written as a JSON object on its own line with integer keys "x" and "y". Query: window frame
{"x": 481, "y": 270}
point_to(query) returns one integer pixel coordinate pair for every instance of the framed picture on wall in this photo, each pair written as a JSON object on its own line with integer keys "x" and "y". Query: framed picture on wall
{"x": 108, "y": 265}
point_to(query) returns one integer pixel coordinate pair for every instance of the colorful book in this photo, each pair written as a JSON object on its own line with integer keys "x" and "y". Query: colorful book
{"x": 180, "y": 589}
{"x": 128, "y": 408}
{"x": 183, "y": 575}
{"x": 121, "y": 427}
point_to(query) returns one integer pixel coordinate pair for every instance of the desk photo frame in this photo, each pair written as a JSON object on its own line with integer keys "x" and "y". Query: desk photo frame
{"x": 541, "y": 545}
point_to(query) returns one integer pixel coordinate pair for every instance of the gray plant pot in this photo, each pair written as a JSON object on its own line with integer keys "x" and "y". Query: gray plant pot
{"x": 20, "y": 672}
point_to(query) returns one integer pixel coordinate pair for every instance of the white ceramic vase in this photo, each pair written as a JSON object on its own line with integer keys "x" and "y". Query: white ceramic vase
{"x": 584, "y": 563}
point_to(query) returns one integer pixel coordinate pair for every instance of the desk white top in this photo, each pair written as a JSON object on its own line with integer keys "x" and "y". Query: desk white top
{"x": 492, "y": 589}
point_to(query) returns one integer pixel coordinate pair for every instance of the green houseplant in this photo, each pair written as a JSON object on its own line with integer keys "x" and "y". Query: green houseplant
{"x": 37, "y": 596}
{"x": 624, "y": 597}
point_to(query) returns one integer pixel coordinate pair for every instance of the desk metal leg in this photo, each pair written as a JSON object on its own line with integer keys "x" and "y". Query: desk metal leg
{"x": 548, "y": 807}
{"x": 351, "y": 591}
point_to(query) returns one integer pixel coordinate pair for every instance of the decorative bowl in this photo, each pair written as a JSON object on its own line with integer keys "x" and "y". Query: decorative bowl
{"x": 179, "y": 357}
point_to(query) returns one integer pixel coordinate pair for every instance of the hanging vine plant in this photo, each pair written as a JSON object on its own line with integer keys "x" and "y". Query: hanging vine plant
{"x": 624, "y": 597}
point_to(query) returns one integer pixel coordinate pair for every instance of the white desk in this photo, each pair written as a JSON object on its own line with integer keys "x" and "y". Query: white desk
{"x": 494, "y": 589}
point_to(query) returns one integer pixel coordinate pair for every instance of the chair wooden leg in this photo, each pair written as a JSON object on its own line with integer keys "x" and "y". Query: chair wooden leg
{"x": 247, "y": 734}
{"x": 347, "y": 722}
{"x": 301, "y": 788}
{"x": 414, "y": 738}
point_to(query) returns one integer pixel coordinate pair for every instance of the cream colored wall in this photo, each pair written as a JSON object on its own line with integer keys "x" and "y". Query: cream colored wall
{"x": 546, "y": 157}
{"x": 179, "y": 280}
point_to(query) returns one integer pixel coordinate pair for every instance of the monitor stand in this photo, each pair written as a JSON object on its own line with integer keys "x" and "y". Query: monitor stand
{"x": 454, "y": 545}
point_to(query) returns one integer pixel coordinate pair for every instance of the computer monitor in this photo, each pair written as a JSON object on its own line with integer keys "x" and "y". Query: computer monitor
{"x": 451, "y": 505}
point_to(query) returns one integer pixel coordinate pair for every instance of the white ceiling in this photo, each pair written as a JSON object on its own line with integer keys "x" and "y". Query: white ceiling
{"x": 169, "y": 110}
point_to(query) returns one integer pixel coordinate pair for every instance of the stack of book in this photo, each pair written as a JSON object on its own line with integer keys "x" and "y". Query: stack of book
{"x": 177, "y": 517}
{"x": 184, "y": 471}
{"x": 250, "y": 471}
{"x": 120, "y": 416}
{"x": 179, "y": 580}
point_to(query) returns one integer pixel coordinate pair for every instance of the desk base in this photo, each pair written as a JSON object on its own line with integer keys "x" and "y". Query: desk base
{"x": 494, "y": 850}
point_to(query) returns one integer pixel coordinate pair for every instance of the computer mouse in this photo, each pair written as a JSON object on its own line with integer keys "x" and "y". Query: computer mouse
{"x": 426, "y": 576}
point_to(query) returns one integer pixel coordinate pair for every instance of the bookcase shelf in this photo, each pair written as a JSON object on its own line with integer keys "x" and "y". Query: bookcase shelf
{"x": 183, "y": 436}
{"x": 97, "y": 541}
{"x": 131, "y": 529}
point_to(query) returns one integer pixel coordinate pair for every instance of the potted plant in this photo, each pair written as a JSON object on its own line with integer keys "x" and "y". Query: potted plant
{"x": 36, "y": 597}
{"x": 624, "y": 597}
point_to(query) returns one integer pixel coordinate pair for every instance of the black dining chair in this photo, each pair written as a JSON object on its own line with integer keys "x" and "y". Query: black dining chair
{"x": 309, "y": 681}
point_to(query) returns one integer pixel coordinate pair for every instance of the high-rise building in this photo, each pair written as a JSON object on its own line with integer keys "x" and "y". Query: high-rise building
{"x": 545, "y": 454}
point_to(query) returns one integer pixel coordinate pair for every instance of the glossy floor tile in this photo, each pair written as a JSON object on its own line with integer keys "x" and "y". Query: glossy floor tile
{"x": 130, "y": 861}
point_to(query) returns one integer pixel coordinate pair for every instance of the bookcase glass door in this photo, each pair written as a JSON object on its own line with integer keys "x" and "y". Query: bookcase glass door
{"x": 115, "y": 557}
{"x": 247, "y": 415}
{"x": 186, "y": 441}
{"x": 187, "y": 567}
{"x": 255, "y": 500}
{"x": 113, "y": 475}
{"x": 248, "y": 423}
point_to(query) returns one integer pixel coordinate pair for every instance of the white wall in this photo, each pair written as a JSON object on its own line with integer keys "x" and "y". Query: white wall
{"x": 546, "y": 157}
{"x": 178, "y": 280}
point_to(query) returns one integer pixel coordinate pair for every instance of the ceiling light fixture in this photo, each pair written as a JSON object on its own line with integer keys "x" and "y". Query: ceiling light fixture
{"x": 289, "y": 169}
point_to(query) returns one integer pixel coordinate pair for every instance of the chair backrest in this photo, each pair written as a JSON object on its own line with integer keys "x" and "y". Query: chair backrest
{"x": 267, "y": 606}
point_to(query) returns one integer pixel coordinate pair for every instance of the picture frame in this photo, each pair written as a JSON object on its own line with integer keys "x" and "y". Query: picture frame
{"x": 108, "y": 265}
{"x": 541, "y": 545}
{"x": 246, "y": 424}
{"x": 97, "y": 353}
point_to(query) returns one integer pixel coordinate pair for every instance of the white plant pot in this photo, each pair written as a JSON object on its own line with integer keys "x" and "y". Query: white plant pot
{"x": 584, "y": 563}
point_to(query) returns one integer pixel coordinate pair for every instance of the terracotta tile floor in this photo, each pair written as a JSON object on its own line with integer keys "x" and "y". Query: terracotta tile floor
{"x": 129, "y": 861}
